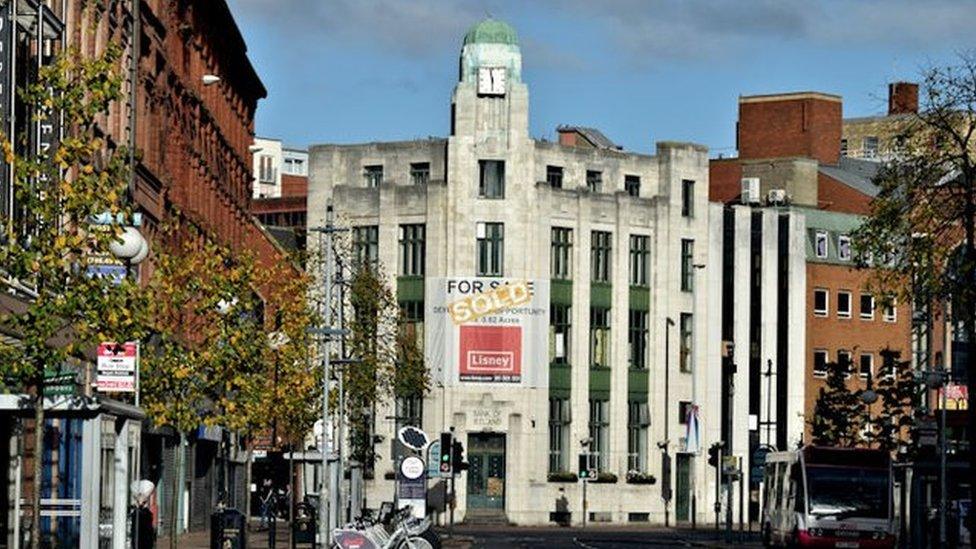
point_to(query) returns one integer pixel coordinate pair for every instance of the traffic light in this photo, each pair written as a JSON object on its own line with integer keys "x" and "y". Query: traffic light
{"x": 584, "y": 467}
{"x": 444, "y": 459}
{"x": 713, "y": 452}
{"x": 457, "y": 457}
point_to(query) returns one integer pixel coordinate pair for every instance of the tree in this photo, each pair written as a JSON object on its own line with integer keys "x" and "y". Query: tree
{"x": 923, "y": 222}
{"x": 838, "y": 414}
{"x": 49, "y": 239}
{"x": 892, "y": 426}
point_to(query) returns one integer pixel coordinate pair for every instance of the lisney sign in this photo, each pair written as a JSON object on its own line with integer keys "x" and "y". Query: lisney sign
{"x": 488, "y": 330}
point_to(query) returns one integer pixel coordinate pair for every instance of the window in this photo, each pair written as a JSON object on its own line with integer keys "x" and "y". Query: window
{"x": 845, "y": 361}
{"x": 687, "y": 198}
{"x": 639, "y": 253}
{"x": 266, "y": 169}
{"x": 554, "y": 176}
{"x": 890, "y": 311}
{"x": 820, "y": 245}
{"x": 594, "y": 181}
{"x": 492, "y": 179}
{"x": 820, "y": 363}
{"x": 600, "y": 256}
{"x": 559, "y": 419}
{"x": 844, "y": 248}
{"x": 844, "y": 304}
{"x": 687, "y": 265}
{"x": 420, "y": 173}
{"x": 365, "y": 244}
{"x": 413, "y": 248}
{"x": 638, "y": 419}
{"x": 600, "y": 433}
{"x": 295, "y": 166}
{"x": 599, "y": 337}
{"x": 413, "y": 325}
{"x": 867, "y": 306}
{"x": 562, "y": 253}
{"x": 683, "y": 407}
{"x": 686, "y": 343}
{"x": 637, "y": 339}
{"x": 632, "y": 185}
{"x": 491, "y": 249}
{"x": 820, "y": 307}
{"x": 373, "y": 176}
{"x": 843, "y": 147}
{"x": 870, "y": 144}
{"x": 889, "y": 363}
{"x": 409, "y": 412}
{"x": 867, "y": 365}
{"x": 560, "y": 329}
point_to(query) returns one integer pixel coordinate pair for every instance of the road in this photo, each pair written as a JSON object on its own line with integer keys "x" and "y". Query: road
{"x": 589, "y": 538}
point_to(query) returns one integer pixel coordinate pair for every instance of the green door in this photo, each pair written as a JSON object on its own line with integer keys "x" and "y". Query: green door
{"x": 682, "y": 492}
{"x": 486, "y": 471}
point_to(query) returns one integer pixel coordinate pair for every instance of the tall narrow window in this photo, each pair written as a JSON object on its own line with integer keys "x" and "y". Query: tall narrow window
{"x": 845, "y": 362}
{"x": 867, "y": 365}
{"x": 492, "y": 179}
{"x": 820, "y": 299}
{"x": 409, "y": 412}
{"x": 687, "y": 343}
{"x": 890, "y": 311}
{"x": 870, "y": 144}
{"x": 266, "y": 169}
{"x": 594, "y": 181}
{"x": 599, "y": 337}
{"x": 687, "y": 198}
{"x": 632, "y": 185}
{"x": 560, "y": 330}
{"x": 600, "y": 247}
{"x": 843, "y": 304}
{"x": 687, "y": 265}
{"x": 820, "y": 363}
{"x": 365, "y": 243}
{"x": 420, "y": 173}
{"x": 637, "y": 338}
{"x": 600, "y": 432}
{"x": 639, "y": 254}
{"x": 373, "y": 175}
{"x": 559, "y": 419}
{"x": 867, "y": 306}
{"x": 491, "y": 249}
{"x": 638, "y": 419}
{"x": 554, "y": 176}
{"x": 843, "y": 147}
{"x": 562, "y": 253}
{"x": 844, "y": 247}
{"x": 413, "y": 248}
{"x": 820, "y": 244}
{"x": 413, "y": 321}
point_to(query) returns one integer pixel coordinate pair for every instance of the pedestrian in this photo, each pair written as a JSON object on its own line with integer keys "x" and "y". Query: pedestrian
{"x": 143, "y": 528}
{"x": 267, "y": 497}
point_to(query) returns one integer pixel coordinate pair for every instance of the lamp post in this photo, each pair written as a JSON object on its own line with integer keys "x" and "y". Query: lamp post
{"x": 663, "y": 445}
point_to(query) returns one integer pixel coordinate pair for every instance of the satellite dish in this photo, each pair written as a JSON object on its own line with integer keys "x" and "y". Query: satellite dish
{"x": 413, "y": 438}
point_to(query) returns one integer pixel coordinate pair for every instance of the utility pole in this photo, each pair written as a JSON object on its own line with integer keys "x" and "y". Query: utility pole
{"x": 328, "y": 487}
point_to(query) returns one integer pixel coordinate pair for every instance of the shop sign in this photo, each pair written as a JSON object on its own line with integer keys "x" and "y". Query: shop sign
{"x": 956, "y": 397}
{"x": 117, "y": 363}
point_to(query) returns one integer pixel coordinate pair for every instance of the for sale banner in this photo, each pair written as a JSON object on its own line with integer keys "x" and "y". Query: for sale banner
{"x": 117, "y": 367}
{"x": 488, "y": 330}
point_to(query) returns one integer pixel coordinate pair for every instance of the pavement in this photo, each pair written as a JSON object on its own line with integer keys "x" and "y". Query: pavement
{"x": 516, "y": 537}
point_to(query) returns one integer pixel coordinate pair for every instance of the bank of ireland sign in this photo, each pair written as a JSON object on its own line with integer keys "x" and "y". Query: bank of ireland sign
{"x": 488, "y": 330}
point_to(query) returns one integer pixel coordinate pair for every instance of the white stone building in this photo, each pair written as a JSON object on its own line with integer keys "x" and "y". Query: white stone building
{"x": 272, "y": 160}
{"x": 631, "y": 252}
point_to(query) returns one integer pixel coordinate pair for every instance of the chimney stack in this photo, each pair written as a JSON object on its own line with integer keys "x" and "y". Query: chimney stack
{"x": 902, "y": 98}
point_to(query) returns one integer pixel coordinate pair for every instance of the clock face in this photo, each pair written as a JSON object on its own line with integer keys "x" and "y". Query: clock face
{"x": 492, "y": 80}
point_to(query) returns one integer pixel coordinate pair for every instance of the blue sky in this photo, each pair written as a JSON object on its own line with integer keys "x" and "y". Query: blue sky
{"x": 346, "y": 71}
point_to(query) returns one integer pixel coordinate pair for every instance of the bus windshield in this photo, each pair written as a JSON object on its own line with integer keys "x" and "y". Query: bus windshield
{"x": 843, "y": 492}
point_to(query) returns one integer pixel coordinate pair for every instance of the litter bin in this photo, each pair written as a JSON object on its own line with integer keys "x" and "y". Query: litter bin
{"x": 303, "y": 527}
{"x": 227, "y": 530}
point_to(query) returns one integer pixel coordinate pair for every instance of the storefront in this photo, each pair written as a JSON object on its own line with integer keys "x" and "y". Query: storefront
{"x": 90, "y": 458}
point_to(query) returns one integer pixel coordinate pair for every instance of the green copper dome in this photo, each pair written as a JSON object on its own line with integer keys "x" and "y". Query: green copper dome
{"x": 491, "y": 31}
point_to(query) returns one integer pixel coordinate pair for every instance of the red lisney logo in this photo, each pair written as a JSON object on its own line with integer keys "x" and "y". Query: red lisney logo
{"x": 491, "y": 353}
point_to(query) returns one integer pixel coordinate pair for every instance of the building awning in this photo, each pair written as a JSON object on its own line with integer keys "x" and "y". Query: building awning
{"x": 69, "y": 406}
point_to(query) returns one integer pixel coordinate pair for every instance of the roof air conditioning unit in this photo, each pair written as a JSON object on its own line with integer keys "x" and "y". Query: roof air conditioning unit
{"x": 776, "y": 196}
{"x": 750, "y": 190}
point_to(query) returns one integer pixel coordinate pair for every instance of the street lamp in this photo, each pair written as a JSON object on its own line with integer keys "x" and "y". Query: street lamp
{"x": 663, "y": 445}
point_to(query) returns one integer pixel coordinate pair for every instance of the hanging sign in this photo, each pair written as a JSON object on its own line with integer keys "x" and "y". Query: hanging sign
{"x": 117, "y": 363}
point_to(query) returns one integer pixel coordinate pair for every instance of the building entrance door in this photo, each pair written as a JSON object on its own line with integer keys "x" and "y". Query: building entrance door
{"x": 682, "y": 502}
{"x": 486, "y": 472}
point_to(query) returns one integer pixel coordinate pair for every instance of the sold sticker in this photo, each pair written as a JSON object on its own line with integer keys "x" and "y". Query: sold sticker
{"x": 494, "y": 300}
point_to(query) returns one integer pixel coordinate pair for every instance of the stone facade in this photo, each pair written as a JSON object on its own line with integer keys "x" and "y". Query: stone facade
{"x": 374, "y": 184}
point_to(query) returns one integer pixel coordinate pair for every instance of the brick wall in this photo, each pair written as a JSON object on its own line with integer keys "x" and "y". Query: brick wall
{"x": 834, "y": 196}
{"x": 803, "y": 124}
